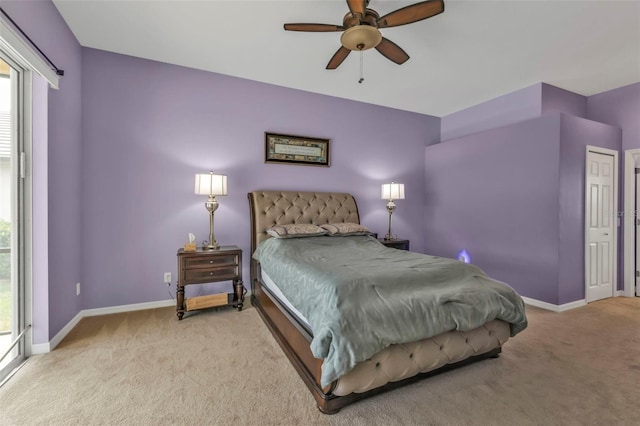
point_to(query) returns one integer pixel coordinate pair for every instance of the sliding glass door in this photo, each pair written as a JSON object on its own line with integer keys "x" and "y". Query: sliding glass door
{"x": 12, "y": 283}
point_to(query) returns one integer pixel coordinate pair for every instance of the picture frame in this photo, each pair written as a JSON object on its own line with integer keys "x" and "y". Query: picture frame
{"x": 297, "y": 150}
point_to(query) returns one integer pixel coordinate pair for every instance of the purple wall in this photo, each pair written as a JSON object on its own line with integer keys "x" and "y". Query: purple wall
{"x": 514, "y": 107}
{"x": 513, "y": 197}
{"x": 44, "y": 25}
{"x": 619, "y": 107}
{"x": 495, "y": 194}
{"x": 149, "y": 127}
{"x": 556, "y": 100}
{"x": 521, "y": 105}
{"x": 576, "y": 134}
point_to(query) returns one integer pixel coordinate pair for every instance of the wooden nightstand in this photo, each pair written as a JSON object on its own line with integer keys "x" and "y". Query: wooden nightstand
{"x": 208, "y": 266}
{"x": 396, "y": 244}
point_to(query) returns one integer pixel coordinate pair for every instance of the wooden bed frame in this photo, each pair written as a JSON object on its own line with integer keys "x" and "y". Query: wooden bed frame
{"x": 269, "y": 208}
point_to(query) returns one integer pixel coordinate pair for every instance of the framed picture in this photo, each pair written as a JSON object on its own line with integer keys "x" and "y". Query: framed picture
{"x": 288, "y": 149}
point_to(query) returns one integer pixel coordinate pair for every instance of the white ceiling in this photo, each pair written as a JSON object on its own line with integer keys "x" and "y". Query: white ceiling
{"x": 473, "y": 52}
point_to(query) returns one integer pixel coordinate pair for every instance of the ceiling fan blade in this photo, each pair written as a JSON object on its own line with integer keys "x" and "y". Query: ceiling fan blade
{"x": 313, "y": 28}
{"x": 392, "y": 51}
{"x": 413, "y": 13}
{"x": 356, "y": 6}
{"x": 338, "y": 58}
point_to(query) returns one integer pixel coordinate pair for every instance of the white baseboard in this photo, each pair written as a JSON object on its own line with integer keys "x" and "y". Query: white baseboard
{"x": 566, "y": 306}
{"x": 43, "y": 348}
{"x": 40, "y": 348}
{"x": 128, "y": 308}
{"x": 552, "y": 307}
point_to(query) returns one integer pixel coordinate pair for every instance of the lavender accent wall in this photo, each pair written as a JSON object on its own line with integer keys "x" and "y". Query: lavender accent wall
{"x": 520, "y": 105}
{"x": 514, "y": 107}
{"x": 496, "y": 194}
{"x": 576, "y": 134}
{"x": 433, "y": 133}
{"x": 513, "y": 197}
{"x": 44, "y": 25}
{"x": 149, "y": 127}
{"x": 556, "y": 100}
{"x": 619, "y": 107}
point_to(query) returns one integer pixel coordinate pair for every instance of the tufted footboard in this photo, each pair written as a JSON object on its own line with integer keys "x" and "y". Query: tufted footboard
{"x": 399, "y": 362}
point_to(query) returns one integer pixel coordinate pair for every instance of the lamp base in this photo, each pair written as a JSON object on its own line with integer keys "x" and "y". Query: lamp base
{"x": 214, "y": 246}
{"x": 391, "y": 206}
{"x": 212, "y": 206}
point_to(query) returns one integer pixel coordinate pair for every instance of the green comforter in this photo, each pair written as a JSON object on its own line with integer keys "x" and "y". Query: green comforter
{"x": 360, "y": 296}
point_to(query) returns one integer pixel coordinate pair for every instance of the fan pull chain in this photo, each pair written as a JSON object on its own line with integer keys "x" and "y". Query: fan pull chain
{"x": 361, "y": 67}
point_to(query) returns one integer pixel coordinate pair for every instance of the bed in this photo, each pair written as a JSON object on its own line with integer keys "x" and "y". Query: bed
{"x": 393, "y": 365}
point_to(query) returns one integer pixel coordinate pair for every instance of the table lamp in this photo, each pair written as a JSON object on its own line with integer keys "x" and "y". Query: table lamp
{"x": 211, "y": 185}
{"x": 392, "y": 191}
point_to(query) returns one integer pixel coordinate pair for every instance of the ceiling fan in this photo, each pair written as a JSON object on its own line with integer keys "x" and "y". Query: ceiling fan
{"x": 361, "y": 29}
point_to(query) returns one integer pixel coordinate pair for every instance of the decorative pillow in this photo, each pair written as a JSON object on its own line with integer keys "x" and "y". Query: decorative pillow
{"x": 345, "y": 229}
{"x": 295, "y": 230}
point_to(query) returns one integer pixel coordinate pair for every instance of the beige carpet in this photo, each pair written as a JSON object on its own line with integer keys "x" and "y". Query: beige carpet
{"x": 219, "y": 367}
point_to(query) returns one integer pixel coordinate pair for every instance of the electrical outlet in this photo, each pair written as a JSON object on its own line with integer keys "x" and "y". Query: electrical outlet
{"x": 167, "y": 278}
{"x": 77, "y": 289}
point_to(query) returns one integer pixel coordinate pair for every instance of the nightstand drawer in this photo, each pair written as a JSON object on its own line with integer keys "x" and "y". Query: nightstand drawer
{"x": 209, "y": 261}
{"x": 192, "y": 276}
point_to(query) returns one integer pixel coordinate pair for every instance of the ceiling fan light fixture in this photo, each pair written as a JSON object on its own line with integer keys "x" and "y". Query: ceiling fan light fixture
{"x": 361, "y": 37}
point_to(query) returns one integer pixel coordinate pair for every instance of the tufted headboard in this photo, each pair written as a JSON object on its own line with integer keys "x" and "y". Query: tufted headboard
{"x": 270, "y": 208}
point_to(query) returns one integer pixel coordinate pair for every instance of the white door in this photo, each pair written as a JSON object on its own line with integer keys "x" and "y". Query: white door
{"x": 601, "y": 219}
{"x": 12, "y": 281}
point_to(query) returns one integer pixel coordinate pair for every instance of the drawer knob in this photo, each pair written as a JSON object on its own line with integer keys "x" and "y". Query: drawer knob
{"x": 211, "y": 261}
{"x": 210, "y": 273}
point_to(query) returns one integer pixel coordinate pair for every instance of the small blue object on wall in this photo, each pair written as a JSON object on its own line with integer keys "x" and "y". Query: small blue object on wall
{"x": 464, "y": 257}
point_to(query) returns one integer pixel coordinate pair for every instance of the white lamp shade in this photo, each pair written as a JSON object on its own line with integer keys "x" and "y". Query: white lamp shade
{"x": 211, "y": 184}
{"x": 392, "y": 191}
